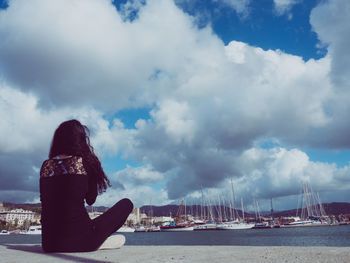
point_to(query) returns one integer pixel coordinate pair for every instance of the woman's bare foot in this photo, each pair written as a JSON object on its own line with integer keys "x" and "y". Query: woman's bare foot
{"x": 113, "y": 242}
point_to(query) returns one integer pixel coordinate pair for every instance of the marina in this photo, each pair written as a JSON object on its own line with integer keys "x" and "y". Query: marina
{"x": 330, "y": 236}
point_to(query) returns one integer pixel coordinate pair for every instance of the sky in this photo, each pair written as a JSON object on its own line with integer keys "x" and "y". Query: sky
{"x": 181, "y": 96}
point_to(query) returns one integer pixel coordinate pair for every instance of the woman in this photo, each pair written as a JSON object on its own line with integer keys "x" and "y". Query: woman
{"x": 71, "y": 175}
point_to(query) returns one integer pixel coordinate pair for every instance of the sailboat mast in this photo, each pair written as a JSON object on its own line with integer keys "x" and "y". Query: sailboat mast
{"x": 202, "y": 203}
{"x": 242, "y": 208}
{"x": 256, "y": 209}
{"x": 271, "y": 209}
{"x": 180, "y": 211}
{"x": 233, "y": 200}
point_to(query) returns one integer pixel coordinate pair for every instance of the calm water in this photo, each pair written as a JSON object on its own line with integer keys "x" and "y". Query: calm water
{"x": 304, "y": 236}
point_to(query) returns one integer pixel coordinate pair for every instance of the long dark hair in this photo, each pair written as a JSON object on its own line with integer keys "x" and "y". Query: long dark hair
{"x": 72, "y": 138}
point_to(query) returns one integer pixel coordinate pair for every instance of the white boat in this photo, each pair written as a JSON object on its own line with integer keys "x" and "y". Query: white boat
{"x": 176, "y": 228}
{"x": 147, "y": 229}
{"x": 234, "y": 225}
{"x": 34, "y": 230}
{"x": 262, "y": 225}
{"x": 141, "y": 229}
{"x": 4, "y": 232}
{"x": 126, "y": 229}
{"x": 205, "y": 226}
{"x": 199, "y": 221}
{"x": 301, "y": 223}
{"x": 298, "y": 223}
{"x": 153, "y": 229}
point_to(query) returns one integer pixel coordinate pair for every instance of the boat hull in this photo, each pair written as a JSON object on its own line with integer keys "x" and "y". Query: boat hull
{"x": 176, "y": 229}
{"x": 304, "y": 225}
{"x": 204, "y": 227}
{"x": 234, "y": 226}
{"x": 33, "y": 230}
{"x": 126, "y": 230}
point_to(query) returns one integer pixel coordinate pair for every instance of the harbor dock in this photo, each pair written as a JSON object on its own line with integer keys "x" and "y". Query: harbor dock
{"x": 194, "y": 254}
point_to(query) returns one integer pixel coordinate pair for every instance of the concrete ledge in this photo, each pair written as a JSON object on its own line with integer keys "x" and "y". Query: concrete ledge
{"x": 33, "y": 253}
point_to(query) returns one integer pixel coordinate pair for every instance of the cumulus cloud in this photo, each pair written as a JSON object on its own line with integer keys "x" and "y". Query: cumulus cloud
{"x": 284, "y": 6}
{"x": 26, "y": 131}
{"x": 240, "y": 6}
{"x": 28, "y": 128}
{"x": 142, "y": 184}
{"x": 279, "y": 172}
{"x": 199, "y": 136}
{"x": 334, "y": 34}
{"x": 138, "y": 175}
{"x": 140, "y": 195}
{"x": 82, "y": 59}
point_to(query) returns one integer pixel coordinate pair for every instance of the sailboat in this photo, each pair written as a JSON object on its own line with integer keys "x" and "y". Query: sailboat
{"x": 312, "y": 214}
{"x": 205, "y": 222}
{"x": 236, "y": 223}
{"x": 178, "y": 225}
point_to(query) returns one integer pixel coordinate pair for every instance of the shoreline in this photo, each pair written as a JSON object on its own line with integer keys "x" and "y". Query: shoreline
{"x": 196, "y": 254}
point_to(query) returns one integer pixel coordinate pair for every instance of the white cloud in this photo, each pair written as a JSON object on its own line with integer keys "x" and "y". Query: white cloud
{"x": 29, "y": 129}
{"x": 221, "y": 112}
{"x": 175, "y": 118}
{"x": 142, "y": 185}
{"x": 330, "y": 20}
{"x": 279, "y": 173}
{"x": 139, "y": 195}
{"x": 240, "y": 6}
{"x": 26, "y": 133}
{"x": 142, "y": 175}
{"x": 284, "y": 6}
{"x": 26, "y": 128}
{"x": 75, "y": 52}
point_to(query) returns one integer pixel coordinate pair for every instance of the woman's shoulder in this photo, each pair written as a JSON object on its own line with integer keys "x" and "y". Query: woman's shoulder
{"x": 69, "y": 165}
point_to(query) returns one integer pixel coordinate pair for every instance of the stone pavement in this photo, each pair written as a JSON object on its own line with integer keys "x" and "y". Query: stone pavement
{"x": 194, "y": 254}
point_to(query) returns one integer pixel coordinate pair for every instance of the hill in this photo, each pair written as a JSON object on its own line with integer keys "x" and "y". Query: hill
{"x": 335, "y": 208}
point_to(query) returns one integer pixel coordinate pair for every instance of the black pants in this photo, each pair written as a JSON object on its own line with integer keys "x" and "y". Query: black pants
{"x": 110, "y": 221}
{"x": 97, "y": 231}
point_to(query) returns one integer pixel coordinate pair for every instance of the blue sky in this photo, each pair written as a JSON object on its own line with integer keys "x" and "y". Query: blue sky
{"x": 180, "y": 95}
{"x": 262, "y": 27}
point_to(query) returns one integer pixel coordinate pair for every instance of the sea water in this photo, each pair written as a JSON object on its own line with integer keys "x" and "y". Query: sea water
{"x": 337, "y": 236}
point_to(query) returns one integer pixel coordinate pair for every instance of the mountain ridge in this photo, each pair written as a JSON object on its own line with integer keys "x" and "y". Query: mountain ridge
{"x": 334, "y": 208}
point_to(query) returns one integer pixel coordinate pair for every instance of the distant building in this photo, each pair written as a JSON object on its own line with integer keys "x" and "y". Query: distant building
{"x": 135, "y": 217}
{"x": 19, "y": 214}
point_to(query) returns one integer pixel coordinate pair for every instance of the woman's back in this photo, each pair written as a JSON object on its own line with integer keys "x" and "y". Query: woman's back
{"x": 64, "y": 185}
